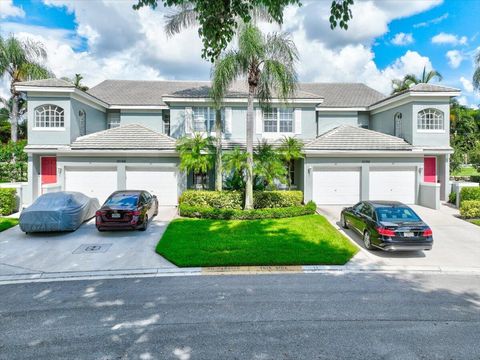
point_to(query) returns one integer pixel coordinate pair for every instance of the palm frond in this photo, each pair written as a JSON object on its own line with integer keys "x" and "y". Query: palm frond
{"x": 226, "y": 70}
{"x": 184, "y": 17}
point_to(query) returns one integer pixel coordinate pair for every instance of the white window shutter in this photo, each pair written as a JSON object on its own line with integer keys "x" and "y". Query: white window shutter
{"x": 298, "y": 121}
{"x": 228, "y": 120}
{"x": 258, "y": 121}
{"x": 188, "y": 120}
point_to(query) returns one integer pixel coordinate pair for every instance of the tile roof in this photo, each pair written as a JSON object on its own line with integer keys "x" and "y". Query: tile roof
{"x": 52, "y": 82}
{"x": 346, "y": 137}
{"x": 127, "y": 137}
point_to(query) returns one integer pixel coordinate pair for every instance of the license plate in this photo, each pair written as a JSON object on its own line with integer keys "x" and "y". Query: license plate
{"x": 115, "y": 216}
{"x": 408, "y": 234}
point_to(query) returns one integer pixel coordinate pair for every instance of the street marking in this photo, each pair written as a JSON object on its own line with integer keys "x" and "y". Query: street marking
{"x": 228, "y": 270}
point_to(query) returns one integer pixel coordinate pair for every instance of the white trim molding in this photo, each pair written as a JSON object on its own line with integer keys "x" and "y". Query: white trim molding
{"x": 395, "y": 101}
{"x": 240, "y": 100}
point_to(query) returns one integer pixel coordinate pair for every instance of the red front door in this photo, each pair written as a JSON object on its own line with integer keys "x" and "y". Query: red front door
{"x": 49, "y": 169}
{"x": 430, "y": 170}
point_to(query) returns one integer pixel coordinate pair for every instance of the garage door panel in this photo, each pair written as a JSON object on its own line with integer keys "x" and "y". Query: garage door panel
{"x": 159, "y": 182}
{"x": 94, "y": 182}
{"x": 336, "y": 187}
{"x": 393, "y": 185}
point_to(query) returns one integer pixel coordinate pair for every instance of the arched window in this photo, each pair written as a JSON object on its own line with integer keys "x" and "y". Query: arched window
{"x": 49, "y": 116}
{"x": 430, "y": 119}
{"x": 82, "y": 120}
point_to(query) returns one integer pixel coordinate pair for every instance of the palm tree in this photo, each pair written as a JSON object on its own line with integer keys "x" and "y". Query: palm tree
{"x": 268, "y": 166}
{"x": 476, "y": 74}
{"x": 20, "y": 60}
{"x": 235, "y": 162}
{"x": 267, "y": 64}
{"x": 411, "y": 79}
{"x": 290, "y": 150}
{"x": 196, "y": 155}
{"x": 186, "y": 17}
{"x": 77, "y": 82}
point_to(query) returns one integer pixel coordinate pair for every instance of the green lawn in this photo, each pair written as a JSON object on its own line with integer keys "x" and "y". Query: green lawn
{"x": 307, "y": 240}
{"x": 475, "y": 221}
{"x": 6, "y": 223}
{"x": 466, "y": 171}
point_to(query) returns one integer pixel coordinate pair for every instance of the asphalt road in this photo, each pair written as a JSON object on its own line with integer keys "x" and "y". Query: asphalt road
{"x": 305, "y": 316}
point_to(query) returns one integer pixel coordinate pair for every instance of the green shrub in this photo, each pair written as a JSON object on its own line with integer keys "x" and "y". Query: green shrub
{"x": 214, "y": 199}
{"x": 470, "y": 209}
{"x": 452, "y": 197}
{"x": 277, "y": 199}
{"x": 475, "y": 178}
{"x": 8, "y": 201}
{"x": 469, "y": 193}
{"x": 235, "y": 214}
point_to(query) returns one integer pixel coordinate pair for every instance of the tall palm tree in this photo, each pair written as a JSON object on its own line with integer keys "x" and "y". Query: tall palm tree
{"x": 476, "y": 74}
{"x": 290, "y": 150}
{"x": 77, "y": 82}
{"x": 267, "y": 65}
{"x": 20, "y": 60}
{"x": 196, "y": 155}
{"x": 411, "y": 79}
{"x": 185, "y": 16}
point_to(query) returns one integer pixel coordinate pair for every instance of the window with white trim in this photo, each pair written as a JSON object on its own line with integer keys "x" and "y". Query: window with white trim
{"x": 203, "y": 119}
{"x": 278, "y": 120}
{"x": 430, "y": 119}
{"x": 82, "y": 120}
{"x": 49, "y": 116}
{"x": 113, "y": 119}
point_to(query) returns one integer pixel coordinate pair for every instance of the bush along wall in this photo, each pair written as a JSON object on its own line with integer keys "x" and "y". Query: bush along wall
{"x": 470, "y": 209}
{"x": 7, "y": 201}
{"x": 469, "y": 193}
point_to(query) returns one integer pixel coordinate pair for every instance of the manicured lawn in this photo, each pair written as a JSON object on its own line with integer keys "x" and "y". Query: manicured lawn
{"x": 291, "y": 241}
{"x": 466, "y": 171}
{"x": 475, "y": 221}
{"x": 6, "y": 223}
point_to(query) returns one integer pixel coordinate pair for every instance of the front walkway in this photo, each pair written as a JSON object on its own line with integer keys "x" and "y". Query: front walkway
{"x": 456, "y": 242}
{"x": 84, "y": 250}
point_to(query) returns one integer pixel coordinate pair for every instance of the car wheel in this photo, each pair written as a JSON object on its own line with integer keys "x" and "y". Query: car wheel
{"x": 344, "y": 222}
{"x": 145, "y": 224}
{"x": 367, "y": 241}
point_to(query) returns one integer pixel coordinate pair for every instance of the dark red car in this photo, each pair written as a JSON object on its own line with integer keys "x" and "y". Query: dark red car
{"x": 127, "y": 209}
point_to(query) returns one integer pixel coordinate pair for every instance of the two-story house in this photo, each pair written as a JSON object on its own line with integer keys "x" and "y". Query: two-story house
{"x": 359, "y": 143}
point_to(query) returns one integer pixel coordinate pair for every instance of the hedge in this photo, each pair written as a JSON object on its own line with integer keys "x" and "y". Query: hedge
{"x": 7, "y": 201}
{"x": 452, "y": 197}
{"x": 234, "y": 199}
{"x": 235, "y": 214}
{"x": 469, "y": 193}
{"x": 470, "y": 209}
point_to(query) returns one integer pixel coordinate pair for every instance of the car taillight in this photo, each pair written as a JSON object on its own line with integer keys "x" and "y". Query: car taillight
{"x": 427, "y": 232}
{"x": 385, "y": 232}
{"x": 134, "y": 213}
{"x": 99, "y": 213}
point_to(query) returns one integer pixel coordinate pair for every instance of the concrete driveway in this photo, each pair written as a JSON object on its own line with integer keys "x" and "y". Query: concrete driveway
{"x": 456, "y": 242}
{"x": 84, "y": 250}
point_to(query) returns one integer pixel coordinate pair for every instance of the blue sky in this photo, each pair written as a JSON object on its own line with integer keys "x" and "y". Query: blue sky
{"x": 387, "y": 38}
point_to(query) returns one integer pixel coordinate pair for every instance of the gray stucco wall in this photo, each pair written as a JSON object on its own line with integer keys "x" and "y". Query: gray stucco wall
{"x": 384, "y": 122}
{"x": 151, "y": 120}
{"x": 95, "y": 119}
{"x": 329, "y": 120}
{"x": 313, "y": 163}
{"x": 429, "y": 137}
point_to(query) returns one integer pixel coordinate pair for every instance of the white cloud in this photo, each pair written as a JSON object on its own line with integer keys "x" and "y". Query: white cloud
{"x": 467, "y": 84}
{"x": 451, "y": 39}
{"x": 434, "y": 21}
{"x": 455, "y": 58}
{"x": 462, "y": 100}
{"x": 7, "y": 9}
{"x": 402, "y": 39}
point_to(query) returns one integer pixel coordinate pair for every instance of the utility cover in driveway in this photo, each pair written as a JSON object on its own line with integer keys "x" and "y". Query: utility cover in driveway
{"x": 92, "y": 248}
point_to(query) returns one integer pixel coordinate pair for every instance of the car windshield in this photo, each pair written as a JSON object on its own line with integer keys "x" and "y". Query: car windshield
{"x": 396, "y": 214}
{"x": 127, "y": 200}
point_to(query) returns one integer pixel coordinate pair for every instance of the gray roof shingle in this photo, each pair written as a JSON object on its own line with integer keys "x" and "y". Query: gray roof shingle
{"x": 346, "y": 137}
{"x": 52, "y": 82}
{"x": 126, "y": 137}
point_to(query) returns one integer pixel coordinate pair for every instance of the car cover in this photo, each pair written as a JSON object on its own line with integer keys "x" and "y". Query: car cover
{"x": 58, "y": 211}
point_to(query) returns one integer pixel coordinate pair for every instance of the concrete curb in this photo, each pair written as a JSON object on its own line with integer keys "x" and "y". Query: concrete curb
{"x": 231, "y": 270}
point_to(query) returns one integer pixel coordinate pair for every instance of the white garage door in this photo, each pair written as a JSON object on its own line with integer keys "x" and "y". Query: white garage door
{"x": 393, "y": 185}
{"x": 94, "y": 182}
{"x": 336, "y": 187}
{"x": 161, "y": 183}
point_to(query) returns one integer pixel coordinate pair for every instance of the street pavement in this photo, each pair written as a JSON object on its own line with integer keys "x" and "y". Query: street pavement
{"x": 290, "y": 316}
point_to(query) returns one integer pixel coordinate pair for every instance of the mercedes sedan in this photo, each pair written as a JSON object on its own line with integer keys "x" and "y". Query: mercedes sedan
{"x": 388, "y": 225}
{"x": 127, "y": 209}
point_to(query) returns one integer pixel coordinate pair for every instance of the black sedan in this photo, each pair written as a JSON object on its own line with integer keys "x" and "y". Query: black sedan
{"x": 388, "y": 225}
{"x": 128, "y": 209}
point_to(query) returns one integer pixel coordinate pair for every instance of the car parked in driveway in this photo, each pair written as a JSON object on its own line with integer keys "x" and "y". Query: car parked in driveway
{"x": 127, "y": 209}
{"x": 388, "y": 225}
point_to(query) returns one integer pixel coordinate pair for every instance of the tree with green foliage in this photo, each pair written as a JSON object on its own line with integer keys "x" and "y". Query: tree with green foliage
{"x": 235, "y": 162}
{"x": 267, "y": 64}
{"x": 196, "y": 155}
{"x": 291, "y": 149}
{"x": 268, "y": 166}
{"x": 219, "y": 20}
{"x": 409, "y": 80}
{"x": 77, "y": 82}
{"x": 476, "y": 73}
{"x": 475, "y": 156}
{"x": 20, "y": 60}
